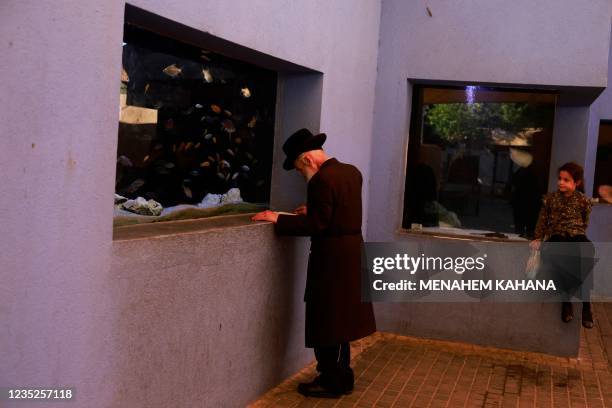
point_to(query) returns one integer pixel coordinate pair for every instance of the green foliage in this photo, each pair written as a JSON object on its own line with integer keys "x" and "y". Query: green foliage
{"x": 453, "y": 122}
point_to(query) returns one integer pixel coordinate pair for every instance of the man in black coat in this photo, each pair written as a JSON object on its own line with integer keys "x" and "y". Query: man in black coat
{"x": 335, "y": 314}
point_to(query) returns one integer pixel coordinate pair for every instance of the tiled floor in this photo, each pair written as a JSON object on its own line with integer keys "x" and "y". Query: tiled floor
{"x": 399, "y": 371}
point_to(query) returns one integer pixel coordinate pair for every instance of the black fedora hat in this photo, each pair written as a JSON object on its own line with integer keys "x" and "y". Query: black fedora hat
{"x": 299, "y": 142}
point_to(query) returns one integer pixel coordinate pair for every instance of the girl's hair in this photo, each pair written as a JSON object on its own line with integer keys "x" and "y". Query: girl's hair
{"x": 575, "y": 170}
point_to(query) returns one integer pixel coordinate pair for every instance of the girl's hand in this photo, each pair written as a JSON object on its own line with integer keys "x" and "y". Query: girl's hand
{"x": 535, "y": 244}
{"x": 301, "y": 210}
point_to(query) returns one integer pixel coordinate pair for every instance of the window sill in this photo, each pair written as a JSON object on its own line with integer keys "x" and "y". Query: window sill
{"x": 458, "y": 234}
{"x": 168, "y": 228}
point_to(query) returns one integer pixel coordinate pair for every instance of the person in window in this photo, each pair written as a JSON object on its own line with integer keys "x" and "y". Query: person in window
{"x": 564, "y": 217}
{"x": 335, "y": 314}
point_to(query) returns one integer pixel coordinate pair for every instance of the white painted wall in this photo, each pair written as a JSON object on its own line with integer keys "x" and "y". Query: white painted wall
{"x": 58, "y": 125}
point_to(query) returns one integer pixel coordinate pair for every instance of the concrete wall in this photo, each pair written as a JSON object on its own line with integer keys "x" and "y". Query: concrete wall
{"x": 548, "y": 43}
{"x": 61, "y": 60}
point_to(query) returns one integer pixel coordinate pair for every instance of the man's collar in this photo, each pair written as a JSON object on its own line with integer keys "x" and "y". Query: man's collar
{"x": 328, "y": 162}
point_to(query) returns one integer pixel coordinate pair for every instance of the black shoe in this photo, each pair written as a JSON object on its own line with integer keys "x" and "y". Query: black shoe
{"x": 348, "y": 380}
{"x": 317, "y": 390}
{"x": 587, "y": 316}
{"x": 567, "y": 313}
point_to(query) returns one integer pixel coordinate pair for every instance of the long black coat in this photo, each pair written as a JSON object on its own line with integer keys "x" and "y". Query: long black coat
{"x": 334, "y": 311}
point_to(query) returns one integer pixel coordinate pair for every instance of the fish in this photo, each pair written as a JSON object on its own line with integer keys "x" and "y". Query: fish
{"x": 172, "y": 71}
{"x": 214, "y": 139}
{"x": 188, "y": 111}
{"x": 169, "y": 124}
{"x": 227, "y": 177}
{"x": 174, "y": 148}
{"x": 237, "y": 140}
{"x": 145, "y": 158}
{"x": 429, "y": 12}
{"x": 169, "y": 165}
{"x": 205, "y": 164}
{"x": 161, "y": 170}
{"x": 199, "y": 106}
{"x": 124, "y": 75}
{"x": 230, "y": 151}
{"x": 158, "y": 105}
{"x": 218, "y": 157}
{"x": 235, "y": 176}
{"x": 207, "y": 75}
{"x": 259, "y": 183}
{"x": 147, "y": 86}
{"x": 225, "y": 163}
{"x": 197, "y": 145}
{"x": 215, "y": 108}
{"x": 212, "y": 159}
{"x": 158, "y": 146}
{"x": 252, "y": 122}
{"x": 124, "y": 161}
{"x": 228, "y": 113}
{"x": 249, "y": 155}
{"x": 245, "y": 167}
{"x": 208, "y": 136}
{"x": 246, "y": 92}
{"x": 187, "y": 191}
{"x": 205, "y": 58}
{"x": 136, "y": 184}
{"x": 181, "y": 146}
{"x": 228, "y": 126}
{"x": 188, "y": 146}
{"x": 220, "y": 175}
{"x": 194, "y": 173}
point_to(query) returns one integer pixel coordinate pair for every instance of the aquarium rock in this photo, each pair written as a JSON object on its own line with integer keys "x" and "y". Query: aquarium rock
{"x": 231, "y": 197}
{"x": 143, "y": 207}
{"x": 210, "y": 200}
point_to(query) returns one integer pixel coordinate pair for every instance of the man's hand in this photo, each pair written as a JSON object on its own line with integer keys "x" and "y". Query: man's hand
{"x": 265, "y": 216}
{"x": 301, "y": 210}
{"x": 535, "y": 244}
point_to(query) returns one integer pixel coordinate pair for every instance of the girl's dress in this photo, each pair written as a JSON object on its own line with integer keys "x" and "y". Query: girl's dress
{"x": 567, "y": 254}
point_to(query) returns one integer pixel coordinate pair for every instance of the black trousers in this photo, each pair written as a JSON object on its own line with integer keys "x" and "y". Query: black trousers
{"x": 334, "y": 364}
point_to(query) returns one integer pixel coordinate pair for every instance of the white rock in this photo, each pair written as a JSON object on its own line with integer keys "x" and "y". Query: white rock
{"x": 231, "y": 197}
{"x": 210, "y": 200}
{"x": 143, "y": 207}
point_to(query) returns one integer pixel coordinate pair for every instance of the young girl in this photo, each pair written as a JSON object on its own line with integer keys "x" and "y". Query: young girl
{"x": 564, "y": 217}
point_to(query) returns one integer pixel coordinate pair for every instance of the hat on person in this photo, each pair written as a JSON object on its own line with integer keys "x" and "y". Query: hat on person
{"x": 299, "y": 142}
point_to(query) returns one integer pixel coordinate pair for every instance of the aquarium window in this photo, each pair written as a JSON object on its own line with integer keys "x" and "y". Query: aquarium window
{"x": 602, "y": 188}
{"x": 196, "y": 131}
{"x": 478, "y": 160}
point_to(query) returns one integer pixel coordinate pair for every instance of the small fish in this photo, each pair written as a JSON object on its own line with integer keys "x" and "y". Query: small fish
{"x": 187, "y": 191}
{"x": 214, "y": 139}
{"x": 259, "y": 183}
{"x": 228, "y": 126}
{"x": 207, "y": 75}
{"x": 227, "y": 177}
{"x": 161, "y": 170}
{"x": 249, "y": 155}
{"x": 205, "y": 58}
{"x": 197, "y": 145}
{"x": 221, "y": 176}
{"x": 188, "y": 146}
{"x": 169, "y": 165}
{"x": 174, "y": 148}
{"x": 124, "y": 75}
{"x": 245, "y": 167}
{"x": 235, "y": 176}
{"x": 212, "y": 159}
{"x": 225, "y": 163}
{"x": 199, "y": 106}
{"x": 158, "y": 105}
{"x": 208, "y": 136}
{"x": 169, "y": 124}
{"x": 158, "y": 146}
{"x": 145, "y": 158}
{"x": 230, "y": 151}
{"x": 218, "y": 157}
{"x": 181, "y": 146}
{"x": 429, "y": 12}
{"x": 172, "y": 71}
{"x": 215, "y": 108}
{"x": 194, "y": 173}
{"x": 136, "y": 184}
{"x": 246, "y": 92}
{"x": 228, "y": 113}
{"x": 188, "y": 111}
{"x": 147, "y": 86}
{"x": 205, "y": 164}
{"x": 237, "y": 140}
{"x": 124, "y": 161}
{"x": 252, "y": 122}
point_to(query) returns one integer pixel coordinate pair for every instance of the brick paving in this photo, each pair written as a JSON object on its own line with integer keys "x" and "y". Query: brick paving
{"x": 401, "y": 371}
